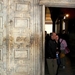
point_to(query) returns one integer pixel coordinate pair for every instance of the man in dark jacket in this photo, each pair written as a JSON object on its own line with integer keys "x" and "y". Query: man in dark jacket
{"x": 51, "y": 60}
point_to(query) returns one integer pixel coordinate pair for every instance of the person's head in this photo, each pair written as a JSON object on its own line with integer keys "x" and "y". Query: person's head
{"x": 50, "y": 35}
{"x": 53, "y": 36}
{"x": 57, "y": 38}
{"x": 45, "y": 33}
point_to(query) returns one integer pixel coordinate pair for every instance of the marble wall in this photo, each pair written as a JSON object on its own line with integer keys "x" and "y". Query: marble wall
{"x": 20, "y": 37}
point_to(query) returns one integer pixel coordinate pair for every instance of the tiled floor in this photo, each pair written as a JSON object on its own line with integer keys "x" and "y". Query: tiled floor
{"x": 69, "y": 69}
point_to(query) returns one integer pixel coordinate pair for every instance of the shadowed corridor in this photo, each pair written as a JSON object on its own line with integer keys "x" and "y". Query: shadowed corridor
{"x": 69, "y": 68}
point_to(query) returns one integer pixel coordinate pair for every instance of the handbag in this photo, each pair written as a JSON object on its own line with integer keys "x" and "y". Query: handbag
{"x": 67, "y": 50}
{"x": 62, "y": 55}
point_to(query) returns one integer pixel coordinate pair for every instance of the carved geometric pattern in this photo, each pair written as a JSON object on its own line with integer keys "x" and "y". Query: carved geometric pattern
{"x": 21, "y": 22}
{"x": 21, "y": 54}
{"x": 1, "y": 20}
{"x": 1, "y": 38}
{"x": 20, "y": 73}
{"x": 22, "y": 69}
{"x": 22, "y": 7}
{"x": 22, "y": 38}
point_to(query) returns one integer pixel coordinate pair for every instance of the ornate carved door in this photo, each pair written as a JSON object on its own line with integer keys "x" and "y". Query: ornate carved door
{"x": 20, "y": 56}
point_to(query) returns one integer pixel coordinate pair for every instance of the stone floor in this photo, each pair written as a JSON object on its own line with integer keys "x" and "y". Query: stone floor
{"x": 69, "y": 70}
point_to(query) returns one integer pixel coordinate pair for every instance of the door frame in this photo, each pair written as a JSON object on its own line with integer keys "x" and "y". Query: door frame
{"x": 44, "y": 4}
{"x": 43, "y": 39}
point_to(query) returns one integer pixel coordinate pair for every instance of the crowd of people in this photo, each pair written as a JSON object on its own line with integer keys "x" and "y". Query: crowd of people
{"x": 55, "y": 52}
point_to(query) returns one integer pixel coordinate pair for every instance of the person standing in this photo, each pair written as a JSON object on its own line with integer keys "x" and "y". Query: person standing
{"x": 63, "y": 45}
{"x": 51, "y": 60}
{"x": 58, "y": 52}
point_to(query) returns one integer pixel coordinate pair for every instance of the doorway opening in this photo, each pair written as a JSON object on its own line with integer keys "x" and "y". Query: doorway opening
{"x": 65, "y": 20}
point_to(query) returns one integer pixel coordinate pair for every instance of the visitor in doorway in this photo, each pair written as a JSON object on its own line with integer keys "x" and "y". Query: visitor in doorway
{"x": 65, "y": 36}
{"x": 58, "y": 52}
{"x": 63, "y": 45}
{"x": 51, "y": 60}
{"x": 47, "y": 37}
